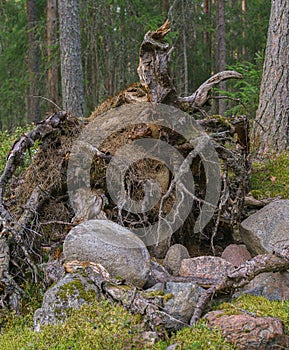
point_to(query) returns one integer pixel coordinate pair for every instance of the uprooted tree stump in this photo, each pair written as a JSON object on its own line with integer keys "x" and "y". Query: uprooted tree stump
{"x": 36, "y": 208}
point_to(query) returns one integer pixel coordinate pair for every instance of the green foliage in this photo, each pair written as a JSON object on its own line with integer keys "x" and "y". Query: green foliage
{"x": 270, "y": 176}
{"x": 245, "y": 90}
{"x": 6, "y": 141}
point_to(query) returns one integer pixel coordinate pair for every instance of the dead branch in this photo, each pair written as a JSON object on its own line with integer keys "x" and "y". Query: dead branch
{"x": 201, "y": 95}
{"x": 10, "y": 226}
{"x": 242, "y": 276}
{"x": 154, "y": 75}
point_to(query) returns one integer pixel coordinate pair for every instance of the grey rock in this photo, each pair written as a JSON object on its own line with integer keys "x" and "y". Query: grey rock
{"x": 117, "y": 249}
{"x": 236, "y": 254}
{"x": 53, "y": 271}
{"x": 271, "y": 285}
{"x": 157, "y": 273}
{"x": 69, "y": 293}
{"x": 268, "y": 229}
{"x": 179, "y": 306}
{"x": 174, "y": 257}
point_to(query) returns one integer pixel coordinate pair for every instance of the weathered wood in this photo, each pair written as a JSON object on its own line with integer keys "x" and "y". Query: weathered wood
{"x": 201, "y": 95}
{"x": 241, "y": 276}
{"x": 153, "y": 69}
{"x": 10, "y": 227}
{"x": 154, "y": 73}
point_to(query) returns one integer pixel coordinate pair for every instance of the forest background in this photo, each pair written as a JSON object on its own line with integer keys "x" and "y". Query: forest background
{"x": 111, "y": 33}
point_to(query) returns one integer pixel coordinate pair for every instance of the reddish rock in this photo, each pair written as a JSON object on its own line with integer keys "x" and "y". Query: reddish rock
{"x": 236, "y": 254}
{"x": 249, "y": 332}
{"x": 205, "y": 267}
{"x": 174, "y": 257}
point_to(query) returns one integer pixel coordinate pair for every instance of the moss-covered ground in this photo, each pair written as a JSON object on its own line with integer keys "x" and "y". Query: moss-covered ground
{"x": 270, "y": 176}
{"x": 103, "y": 325}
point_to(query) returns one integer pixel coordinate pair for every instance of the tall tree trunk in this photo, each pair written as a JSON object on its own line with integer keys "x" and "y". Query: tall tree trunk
{"x": 51, "y": 33}
{"x": 272, "y": 127}
{"x": 207, "y": 36}
{"x": 221, "y": 47}
{"x": 186, "y": 74}
{"x": 33, "y": 108}
{"x": 70, "y": 54}
{"x": 243, "y": 28}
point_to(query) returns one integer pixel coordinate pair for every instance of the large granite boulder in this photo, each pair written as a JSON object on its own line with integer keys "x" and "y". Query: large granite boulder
{"x": 104, "y": 242}
{"x": 268, "y": 229}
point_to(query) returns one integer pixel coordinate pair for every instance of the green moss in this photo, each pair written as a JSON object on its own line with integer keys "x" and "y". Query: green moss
{"x": 221, "y": 120}
{"x": 76, "y": 287}
{"x": 100, "y": 325}
{"x": 168, "y": 296}
{"x": 198, "y": 337}
{"x": 270, "y": 177}
{"x": 154, "y": 293}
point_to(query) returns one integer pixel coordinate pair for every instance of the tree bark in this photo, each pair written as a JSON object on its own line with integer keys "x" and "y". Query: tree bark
{"x": 221, "y": 48}
{"x": 33, "y": 108}
{"x": 52, "y": 73}
{"x": 70, "y": 54}
{"x": 272, "y": 127}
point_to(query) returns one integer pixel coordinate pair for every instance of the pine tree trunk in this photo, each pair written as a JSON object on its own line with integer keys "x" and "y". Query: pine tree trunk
{"x": 33, "y": 108}
{"x": 70, "y": 54}
{"x": 272, "y": 127}
{"x": 52, "y": 73}
{"x": 221, "y": 48}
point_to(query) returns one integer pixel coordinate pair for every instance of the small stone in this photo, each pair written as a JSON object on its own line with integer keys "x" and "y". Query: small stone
{"x": 236, "y": 254}
{"x": 174, "y": 257}
{"x": 211, "y": 267}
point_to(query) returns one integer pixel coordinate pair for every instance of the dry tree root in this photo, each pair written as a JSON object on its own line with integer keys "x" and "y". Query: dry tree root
{"x": 241, "y": 276}
{"x": 13, "y": 230}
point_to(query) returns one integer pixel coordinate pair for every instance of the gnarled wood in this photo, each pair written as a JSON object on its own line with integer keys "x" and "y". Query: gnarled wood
{"x": 153, "y": 69}
{"x": 201, "y": 95}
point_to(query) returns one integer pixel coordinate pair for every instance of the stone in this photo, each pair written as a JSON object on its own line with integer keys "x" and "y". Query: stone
{"x": 249, "y": 332}
{"x": 53, "y": 271}
{"x": 157, "y": 273}
{"x": 174, "y": 257}
{"x": 179, "y": 302}
{"x": 206, "y": 267}
{"x": 114, "y": 247}
{"x": 267, "y": 230}
{"x": 271, "y": 285}
{"x": 72, "y": 291}
{"x": 236, "y": 254}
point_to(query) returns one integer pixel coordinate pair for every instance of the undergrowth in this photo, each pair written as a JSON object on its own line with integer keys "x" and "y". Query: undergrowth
{"x": 7, "y": 140}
